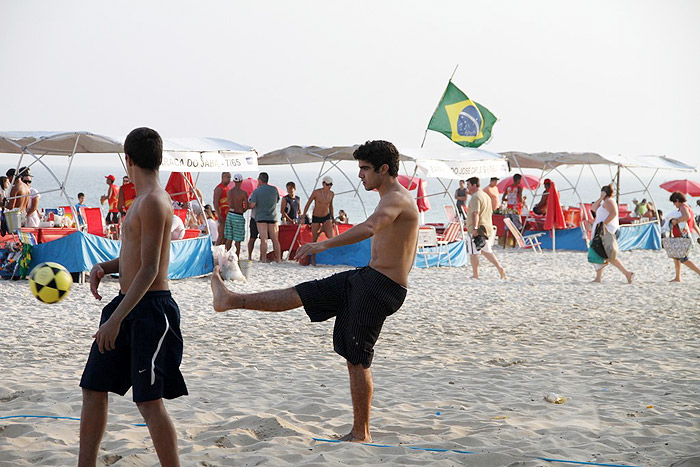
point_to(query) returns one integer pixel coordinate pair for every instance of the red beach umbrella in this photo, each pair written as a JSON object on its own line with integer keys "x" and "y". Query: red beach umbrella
{"x": 555, "y": 214}
{"x": 180, "y": 187}
{"x": 250, "y": 184}
{"x": 688, "y": 187}
{"x": 422, "y": 199}
{"x": 527, "y": 181}
{"x": 410, "y": 183}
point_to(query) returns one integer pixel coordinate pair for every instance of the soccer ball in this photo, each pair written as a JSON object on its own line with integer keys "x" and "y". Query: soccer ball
{"x": 50, "y": 282}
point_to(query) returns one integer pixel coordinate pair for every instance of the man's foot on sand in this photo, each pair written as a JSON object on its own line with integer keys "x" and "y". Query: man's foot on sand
{"x": 502, "y": 272}
{"x": 630, "y": 277}
{"x": 220, "y": 292}
{"x": 350, "y": 438}
{"x": 675, "y": 280}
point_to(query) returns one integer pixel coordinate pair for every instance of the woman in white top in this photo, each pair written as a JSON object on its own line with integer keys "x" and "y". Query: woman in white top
{"x": 606, "y": 213}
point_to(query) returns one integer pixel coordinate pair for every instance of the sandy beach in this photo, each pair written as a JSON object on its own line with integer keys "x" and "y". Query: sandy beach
{"x": 465, "y": 365}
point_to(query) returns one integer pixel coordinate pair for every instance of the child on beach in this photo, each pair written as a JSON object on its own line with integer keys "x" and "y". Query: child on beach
{"x": 139, "y": 342}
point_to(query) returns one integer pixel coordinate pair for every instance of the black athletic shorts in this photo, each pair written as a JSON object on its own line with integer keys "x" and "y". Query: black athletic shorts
{"x": 147, "y": 353}
{"x": 360, "y": 299}
{"x": 112, "y": 218}
{"x": 320, "y": 219}
{"x": 253, "y": 228}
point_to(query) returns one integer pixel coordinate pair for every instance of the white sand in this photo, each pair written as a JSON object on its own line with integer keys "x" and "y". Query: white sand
{"x": 481, "y": 353}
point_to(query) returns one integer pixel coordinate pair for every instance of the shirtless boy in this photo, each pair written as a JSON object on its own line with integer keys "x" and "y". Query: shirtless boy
{"x": 19, "y": 193}
{"x": 360, "y": 299}
{"x": 322, "y": 215}
{"x": 235, "y": 222}
{"x": 139, "y": 342}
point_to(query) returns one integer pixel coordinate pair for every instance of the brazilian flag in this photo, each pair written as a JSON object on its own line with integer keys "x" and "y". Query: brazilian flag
{"x": 461, "y": 119}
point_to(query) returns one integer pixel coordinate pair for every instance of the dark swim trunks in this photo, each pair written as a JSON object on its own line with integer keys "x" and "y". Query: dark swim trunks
{"x": 361, "y": 299}
{"x": 147, "y": 353}
{"x": 320, "y": 220}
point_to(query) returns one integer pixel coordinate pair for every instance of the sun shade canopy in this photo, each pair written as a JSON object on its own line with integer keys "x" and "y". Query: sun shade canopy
{"x": 550, "y": 160}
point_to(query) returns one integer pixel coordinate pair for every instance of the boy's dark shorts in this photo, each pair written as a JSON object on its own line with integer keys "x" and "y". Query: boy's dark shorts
{"x": 147, "y": 352}
{"x": 361, "y": 299}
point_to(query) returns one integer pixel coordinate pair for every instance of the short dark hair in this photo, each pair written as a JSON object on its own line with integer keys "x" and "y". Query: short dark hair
{"x": 473, "y": 181}
{"x": 291, "y": 184}
{"x": 144, "y": 146}
{"x": 677, "y": 196}
{"x": 608, "y": 189}
{"x": 517, "y": 177}
{"x": 378, "y": 153}
{"x": 264, "y": 177}
{"x": 24, "y": 172}
{"x": 81, "y": 194}
{"x": 3, "y": 179}
{"x": 10, "y": 173}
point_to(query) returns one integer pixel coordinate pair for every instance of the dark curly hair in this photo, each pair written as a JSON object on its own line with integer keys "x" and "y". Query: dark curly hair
{"x": 145, "y": 147}
{"x": 378, "y": 153}
{"x": 677, "y": 196}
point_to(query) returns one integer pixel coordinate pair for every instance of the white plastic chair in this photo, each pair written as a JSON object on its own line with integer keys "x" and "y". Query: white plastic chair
{"x": 427, "y": 238}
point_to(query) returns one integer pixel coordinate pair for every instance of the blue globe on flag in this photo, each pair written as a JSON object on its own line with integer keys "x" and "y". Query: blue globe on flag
{"x": 469, "y": 121}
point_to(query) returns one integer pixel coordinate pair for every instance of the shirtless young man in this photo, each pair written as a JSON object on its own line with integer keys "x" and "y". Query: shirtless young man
{"x": 221, "y": 205}
{"x": 139, "y": 342}
{"x": 20, "y": 192}
{"x": 322, "y": 215}
{"x": 361, "y": 299}
{"x": 235, "y": 222}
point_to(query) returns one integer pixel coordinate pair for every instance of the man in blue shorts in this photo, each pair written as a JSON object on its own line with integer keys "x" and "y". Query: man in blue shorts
{"x": 360, "y": 299}
{"x": 138, "y": 344}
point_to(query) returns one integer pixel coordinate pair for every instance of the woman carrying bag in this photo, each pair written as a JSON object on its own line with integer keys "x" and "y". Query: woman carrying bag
{"x": 606, "y": 214}
{"x": 682, "y": 226}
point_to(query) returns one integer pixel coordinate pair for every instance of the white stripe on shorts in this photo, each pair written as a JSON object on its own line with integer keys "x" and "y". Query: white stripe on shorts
{"x": 160, "y": 342}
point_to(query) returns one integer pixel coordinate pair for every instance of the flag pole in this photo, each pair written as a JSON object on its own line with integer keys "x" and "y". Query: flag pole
{"x": 425, "y": 135}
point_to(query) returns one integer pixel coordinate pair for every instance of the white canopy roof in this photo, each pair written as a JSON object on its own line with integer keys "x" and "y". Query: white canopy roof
{"x": 550, "y": 160}
{"x": 57, "y": 143}
{"x": 456, "y": 163}
{"x": 179, "y": 154}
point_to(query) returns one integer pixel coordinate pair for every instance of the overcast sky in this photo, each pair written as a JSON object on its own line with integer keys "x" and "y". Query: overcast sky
{"x": 616, "y": 77}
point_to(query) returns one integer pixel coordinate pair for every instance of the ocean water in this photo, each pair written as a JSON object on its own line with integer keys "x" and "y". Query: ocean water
{"x": 87, "y": 175}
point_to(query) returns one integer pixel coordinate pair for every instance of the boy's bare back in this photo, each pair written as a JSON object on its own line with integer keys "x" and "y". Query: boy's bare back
{"x": 146, "y": 238}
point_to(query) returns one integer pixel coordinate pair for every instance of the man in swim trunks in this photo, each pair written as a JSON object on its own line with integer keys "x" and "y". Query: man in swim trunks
{"x": 322, "y": 215}
{"x": 138, "y": 343}
{"x": 235, "y": 222}
{"x": 221, "y": 204}
{"x": 360, "y": 299}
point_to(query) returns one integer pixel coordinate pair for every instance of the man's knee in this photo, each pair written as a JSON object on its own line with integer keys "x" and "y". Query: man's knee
{"x": 150, "y": 409}
{"x": 90, "y": 396}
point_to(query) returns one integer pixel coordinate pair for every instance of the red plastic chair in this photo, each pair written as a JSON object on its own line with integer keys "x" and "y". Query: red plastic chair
{"x": 94, "y": 221}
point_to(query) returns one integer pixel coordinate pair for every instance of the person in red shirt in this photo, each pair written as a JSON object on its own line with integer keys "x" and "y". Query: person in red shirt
{"x": 112, "y": 198}
{"x": 127, "y": 195}
{"x": 221, "y": 204}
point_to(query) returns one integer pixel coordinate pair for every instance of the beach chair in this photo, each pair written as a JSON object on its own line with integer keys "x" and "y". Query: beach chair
{"x": 451, "y": 214}
{"x": 428, "y": 243}
{"x": 94, "y": 221}
{"x": 452, "y": 233}
{"x": 524, "y": 242}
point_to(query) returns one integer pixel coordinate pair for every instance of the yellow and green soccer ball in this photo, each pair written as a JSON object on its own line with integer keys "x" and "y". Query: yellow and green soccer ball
{"x": 50, "y": 282}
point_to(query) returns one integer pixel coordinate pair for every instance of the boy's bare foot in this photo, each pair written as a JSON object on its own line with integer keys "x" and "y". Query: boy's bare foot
{"x": 630, "y": 277}
{"x": 224, "y": 299}
{"x": 502, "y": 272}
{"x": 675, "y": 280}
{"x": 350, "y": 438}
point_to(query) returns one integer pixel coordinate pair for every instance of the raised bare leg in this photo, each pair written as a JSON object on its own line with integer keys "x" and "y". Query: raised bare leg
{"x": 493, "y": 260}
{"x": 628, "y": 275}
{"x": 162, "y": 431}
{"x": 93, "y": 421}
{"x": 692, "y": 266}
{"x": 271, "y": 300}
{"x": 361, "y": 390}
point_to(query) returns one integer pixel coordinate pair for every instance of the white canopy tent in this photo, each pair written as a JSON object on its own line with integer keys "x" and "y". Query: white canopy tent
{"x": 549, "y": 162}
{"x": 454, "y": 164}
{"x": 179, "y": 154}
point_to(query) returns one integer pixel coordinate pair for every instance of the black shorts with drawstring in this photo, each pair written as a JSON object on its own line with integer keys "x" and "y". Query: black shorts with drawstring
{"x": 147, "y": 353}
{"x": 360, "y": 299}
